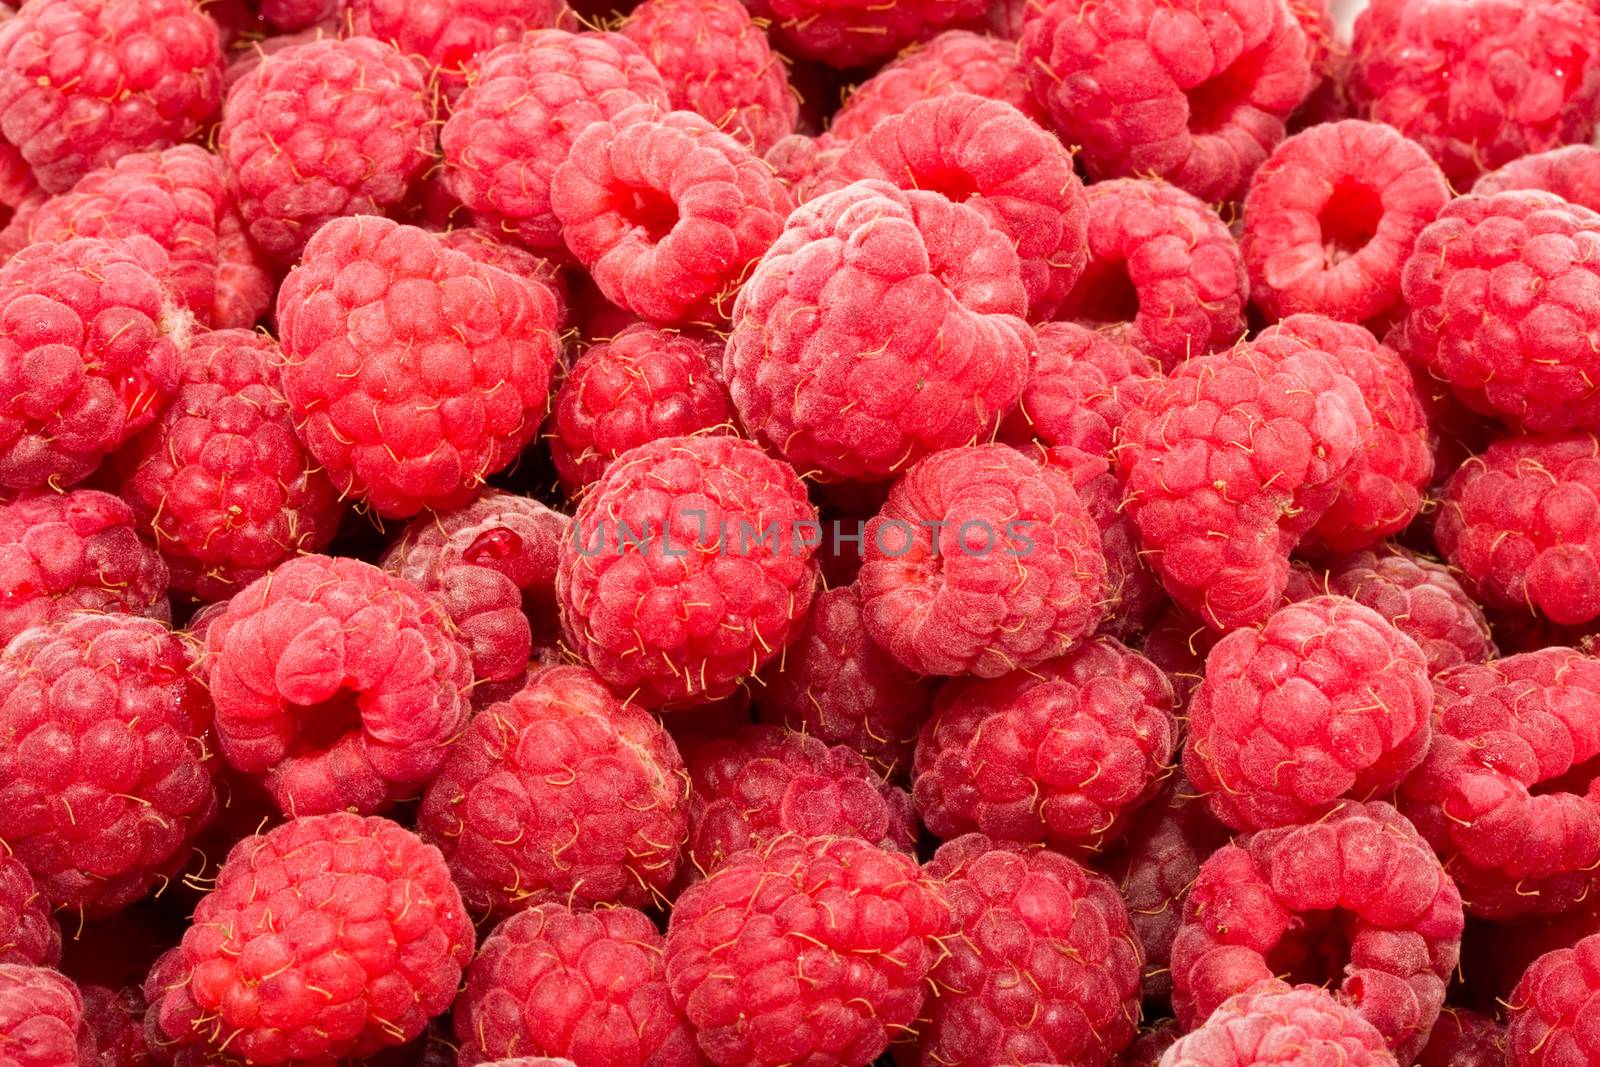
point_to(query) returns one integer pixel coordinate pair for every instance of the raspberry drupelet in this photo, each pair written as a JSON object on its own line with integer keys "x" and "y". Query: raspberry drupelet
{"x": 41, "y": 1019}
{"x": 28, "y": 930}
{"x": 1572, "y": 173}
{"x": 1272, "y": 1023}
{"x": 1553, "y": 1007}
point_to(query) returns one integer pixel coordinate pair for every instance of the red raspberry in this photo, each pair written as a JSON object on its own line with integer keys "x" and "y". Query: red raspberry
{"x": 689, "y": 568}
{"x": 1190, "y": 91}
{"x": 64, "y": 552}
{"x": 718, "y": 64}
{"x": 981, "y": 562}
{"x": 1522, "y": 522}
{"x": 1165, "y": 263}
{"x": 1552, "y": 1011}
{"x": 322, "y": 130}
{"x": 552, "y": 81}
{"x": 1273, "y": 1023}
{"x": 562, "y": 791}
{"x": 106, "y": 776}
{"x": 41, "y": 1019}
{"x": 1044, "y": 967}
{"x": 813, "y": 953}
{"x": 1179, "y": 646}
{"x": 1229, "y": 461}
{"x": 337, "y": 682}
{"x": 1463, "y": 1038}
{"x": 1572, "y": 173}
{"x": 413, "y": 371}
{"x": 837, "y": 685}
{"x": 1331, "y": 216}
{"x": 97, "y": 360}
{"x": 28, "y": 930}
{"x": 330, "y": 936}
{"x": 930, "y": 287}
{"x": 1148, "y": 1048}
{"x": 956, "y": 61}
{"x": 1326, "y": 700}
{"x": 1058, "y": 754}
{"x": 491, "y": 251}
{"x": 799, "y": 161}
{"x": 1357, "y": 897}
{"x": 221, "y": 481}
{"x": 1501, "y": 796}
{"x": 1478, "y": 83}
{"x": 115, "y": 1021}
{"x": 288, "y": 16}
{"x": 991, "y": 156}
{"x": 762, "y": 783}
{"x": 666, "y": 212}
{"x": 83, "y": 82}
{"x": 1505, "y": 353}
{"x": 445, "y": 36}
{"x": 591, "y": 985}
{"x": 853, "y": 33}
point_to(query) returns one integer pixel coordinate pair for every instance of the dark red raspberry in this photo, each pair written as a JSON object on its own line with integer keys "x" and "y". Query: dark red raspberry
{"x": 221, "y": 481}
{"x": 688, "y": 569}
{"x": 1478, "y": 84}
{"x": 1165, "y": 263}
{"x": 115, "y": 1021}
{"x": 340, "y": 684}
{"x": 1148, "y": 1048}
{"x": 1474, "y": 321}
{"x": 552, "y": 81}
{"x": 816, "y": 952}
{"x": 981, "y": 562}
{"x": 1044, "y": 967}
{"x": 1463, "y": 1038}
{"x": 41, "y": 1019}
{"x": 83, "y": 82}
{"x": 853, "y": 33}
{"x": 1326, "y": 700}
{"x": 95, "y": 361}
{"x": 989, "y": 155}
{"x": 1356, "y": 898}
{"x": 445, "y": 36}
{"x": 289, "y": 16}
{"x": 1190, "y": 91}
{"x": 1552, "y": 1011}
{"x": 65, "y": 552}
{"x": 28, "y": 930}
{"x": 1179, "y": 645}
{"x": 331, "y": 936}
{"x": 1331, "y": 217}
{"x": 1504, "y": 795}
{"x": 591, "y": 985}
{"x": 666, "y": 212}
{"x": 837, "y": 685}
{"x": 1273, "y": 1023}
{"x": 1229, "y": 461}
{"x": 414, "y": 372}
{"x": 1572, "y": 173}
{"x": 930, "y": 288}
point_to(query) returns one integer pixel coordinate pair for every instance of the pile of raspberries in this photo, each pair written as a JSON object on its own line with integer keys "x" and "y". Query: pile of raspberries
{"x": 800, "y": 533}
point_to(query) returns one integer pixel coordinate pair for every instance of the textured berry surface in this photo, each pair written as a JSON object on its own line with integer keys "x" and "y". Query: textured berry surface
{"x": 1553, "y": 1008}
{"x": 1463, "y": 1038}
{"x": 28, "y": 930}
{"x": 114, "y": 1020}
{"x": 41, "y": 1016}
{"x": 850, "y": 33}
{"x": 1273, "y": 1024}
{"x": 445, "y": 36}
{"x": 1572, "y": 173}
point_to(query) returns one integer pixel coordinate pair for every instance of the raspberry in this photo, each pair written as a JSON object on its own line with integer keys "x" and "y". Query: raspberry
{"x": 1165, "y": 263}
{"x": 290, "y": 16}
{"x": 837, "y": 685}
{"x": 1552, "y": 1011}
{"x": 853, "y": 33}
{"x": 445, "y": 36}
{"x": 1478, "y": 84}
{"x": 115, "y": 1021}
{"x": 1044, "y": 967}
{"x": 882, "y": 326}
{"x": 41, "y": 1019}
{"x": 1522, "y": 522}
{"x": 179, "y": 199}
{"x": 799, "y": 161}
{"x": 413, "y": 371}
{"x": 1420, "y": 597}
{"x": 956, "y": 61}
{"x": 1473, "y": 320}
{"x": 667, "y": 213}
{"x": 1193, "y": 92}
{"x": 561, "y": 791}
{"x": 1331, "y": 216}
{"x": 990, "y": 155}
{"x": 1572, "y": 173}
{"x": 322, "y": 130}
{"x": 28, "y": 930}
{"x": 65, "y": 552}
{"x": 1464, "y": 1038}
{"x": 83, "y": 82}
{"x": 813, "y": 953}
{"x": 1326, "y": 700}
{"x": 687, "y": 569}
{"x": 106, "y": 776}
{"x": 591, "y": 985}
{"x": 762, "y": 782}
{"x": 981, "y": 562}
{"x": 552, "y": 81}
{"x": 221, "y": 481}
{"x": 88, "y": 358}
{"x": 1273, "y": 1023}
{"x": 1501, "y": 796}
{"x": 718, "y": 64}
{"x": 1179, "y": 646}
{"x": 1357, "y": 897}
{"x": 491, "y": 251}
{"x": 337, "y": 682}
{"x": 1148, "y": 1048}
{"x": 330, "y": 936}
{"x": 1229, "y": 461}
